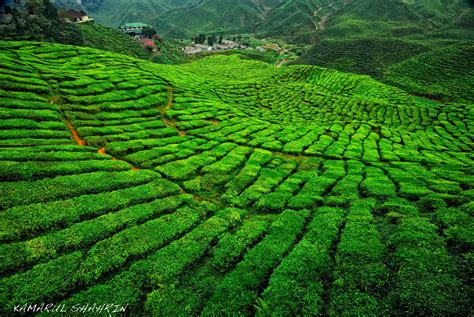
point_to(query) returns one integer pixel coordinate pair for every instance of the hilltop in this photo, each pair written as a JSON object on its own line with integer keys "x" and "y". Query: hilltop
{"x": 180, "y": 19}
{"x": 228, "y": 186}
{"x": 359, "y": 36}
{"x": 294, "y": 20}
{"x": 37, "y": 21}
{"x": 369, "y": 36}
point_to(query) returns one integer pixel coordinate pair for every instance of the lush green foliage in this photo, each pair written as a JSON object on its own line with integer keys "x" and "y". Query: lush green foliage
{"x": 368, "y": 37}
{"x": 230, "y": 186}
{"x": 109, "y": 39}
{"x": 444, "y": 73}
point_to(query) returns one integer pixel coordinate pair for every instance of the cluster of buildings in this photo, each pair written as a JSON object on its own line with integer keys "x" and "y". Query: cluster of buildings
{"x": 134, "y": 28}
{"x": 219, "y": 47}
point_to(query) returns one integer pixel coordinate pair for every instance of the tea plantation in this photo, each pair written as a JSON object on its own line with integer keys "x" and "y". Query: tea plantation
{"x": 230, "y": 186}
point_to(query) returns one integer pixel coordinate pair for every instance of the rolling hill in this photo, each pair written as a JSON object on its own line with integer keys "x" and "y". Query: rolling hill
{"x": 369, "y": 36}
{"x": 43, "y": 22}
{"x": 302, "y": 21}
{"x": 359, "y": 36}
{"x": 230, "y": 186}
{"x": 180, "y": 19}
{"x": 446, "y": 73}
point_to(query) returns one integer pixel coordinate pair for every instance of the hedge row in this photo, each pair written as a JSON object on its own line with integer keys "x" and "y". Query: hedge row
{"x": 131, "y": 285}
{"x": 298, "y": 285}
{"x": 22, "y": 254}
{"x": 238, "y": 291}
{"x": 189, "y": 295}
{"x": 360, "y": 276}
{"x": 63, "y": 187}
{"x": 17, "y": 222}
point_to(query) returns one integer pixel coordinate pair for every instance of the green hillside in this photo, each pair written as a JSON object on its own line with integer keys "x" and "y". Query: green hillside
{"x": 230, "y": 186}
{"x": 113, "y": 40}
{"x": 368, "y": 36}
{"x": 364, "y": 56}
{"x": 363, "y": 36}
{"x": 300, "y": 20}
{"x": 41, "y": 21}
{"x": 181, "y": 19}
{"x": 443, "y": 73}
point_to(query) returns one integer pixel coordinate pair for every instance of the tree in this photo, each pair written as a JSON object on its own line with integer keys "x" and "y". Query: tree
{"x": 220, "y": 39}
{"x": 149, "y": 48}
{"x": 200, "y": 39}
{"x": 50, "y": 10}
{"x": 211, "y": 40}
{"x": 34, "y": 7}
{"x": 148, "y": 31}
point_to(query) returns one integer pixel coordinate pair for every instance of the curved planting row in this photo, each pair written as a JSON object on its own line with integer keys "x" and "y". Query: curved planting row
{"x": 228, "y": 186}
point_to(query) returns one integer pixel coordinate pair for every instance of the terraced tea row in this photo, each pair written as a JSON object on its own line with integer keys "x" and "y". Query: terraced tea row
{"x": 228, "y": 186}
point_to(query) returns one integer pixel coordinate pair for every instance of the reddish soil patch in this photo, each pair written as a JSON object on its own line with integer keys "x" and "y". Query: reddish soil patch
{"x": 104, "y": 152}
{"x": 75, "y": 135}
{"x": 170, "y": 99}
{"x": 169, "y": 123}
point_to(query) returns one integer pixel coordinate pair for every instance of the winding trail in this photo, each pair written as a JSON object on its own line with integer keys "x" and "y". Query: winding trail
{"x": 75, "y": 134}
{"x": 169, "y": 105}
{"x": 281, "y": 62}
{"x": 81, "y": 142}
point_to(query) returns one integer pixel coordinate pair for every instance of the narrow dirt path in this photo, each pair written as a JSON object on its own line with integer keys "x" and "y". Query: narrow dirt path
{"x": 75, "y": 134}
{"x": 82, "y": 142}
{"x": 169, "y": 105}
{"x": 281, "y": 62}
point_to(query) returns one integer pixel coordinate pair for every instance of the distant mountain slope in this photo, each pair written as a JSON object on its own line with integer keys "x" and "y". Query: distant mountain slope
{"x": 300, "y": 20}
{"x": 368, "y": 36}
{"x": 183, "y": 18}
{"x": 364, "y": 56}
{"x": 446, "y": 73}
{"x": 211, "y": 16}
{"x": 295, "y": 20}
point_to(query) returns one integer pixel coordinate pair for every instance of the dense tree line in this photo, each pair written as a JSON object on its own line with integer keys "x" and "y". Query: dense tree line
{"x": 39, "y": 20}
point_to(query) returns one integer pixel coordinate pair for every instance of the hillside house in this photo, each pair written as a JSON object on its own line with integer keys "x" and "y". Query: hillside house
{"x": 203, "y": 47}
{"x": 74, "y": 16}
{"x": 191, "y": 50}
{"x": 135, "y": 28}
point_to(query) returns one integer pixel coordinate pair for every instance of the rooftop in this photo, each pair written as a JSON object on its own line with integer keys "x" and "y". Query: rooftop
{"x": 133, "y": 25}
{"x": 76, "y": 14}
